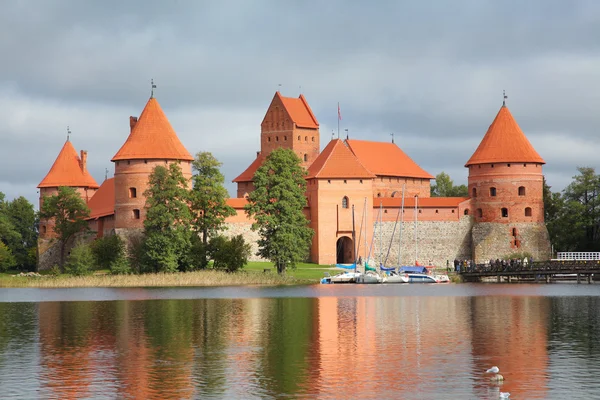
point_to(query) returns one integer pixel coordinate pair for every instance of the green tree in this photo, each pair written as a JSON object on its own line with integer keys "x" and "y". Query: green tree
{"x": 168, "y": 217}
{"x": 208, "y": 198}
{"x": 582, "y": 198}
{"x": 8, "y": 233}
{"x": 107, "y": 250}
{"x": 277, "y": 205}
{"x": 69, "y": 212}
{"x": 80, "y": 261}
{"x": 7, "y": 260}
{"x": 444, "y": 187}
{"x": 24, "y": 220}
{"x": 229, "y": 254}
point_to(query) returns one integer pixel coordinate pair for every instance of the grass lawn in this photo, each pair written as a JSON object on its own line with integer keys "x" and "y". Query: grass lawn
{"x": 303, "y": 271}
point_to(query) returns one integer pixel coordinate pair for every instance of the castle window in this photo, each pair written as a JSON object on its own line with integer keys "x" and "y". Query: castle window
{"x": 466, "y": 212}
{"x": 277, "y": 138}
{"x": 361, "y": 181}
{"x": 420, "y": 211}
{"x": 313, "y": 138}
{"x": 136, "y": 214}
{"x": 385, "y": 211}
{"x": 306, "y": 157}
{"x": 394, "y": 193}
{"x": 345, "y": 181}
{"x": 128, "y": 162}
{"x": 328, "y": 180}
{"x": 504, "y": 212}
{"x": 345, "y": 202}
{"x": 285, "y": 138}
{"x": 378, "y": 194}
{"x": 493, "y": 191}
{"x": 437, "y": 211}
{"x": 132, "y": 193}
{"x": 508, "y": 165}
{"x": 524, "y": 165}
{"x": 43, "y": 228}
{"x": 492, "y": 165}
{"x": 517, "y": 243}
{"x": 514, "y": 232}
{"x": 268, "y": 139}
{"x": 145, "y": 161}
{"x": 521, "y": 190}
{"x": 528, "y": 211}
{"x": 452, "y": 211}
{"x": 479, "y": 213}
{"x": 474, "y": 192}
{"x": 306, "y": 138}
{"x": 299, "y": 137}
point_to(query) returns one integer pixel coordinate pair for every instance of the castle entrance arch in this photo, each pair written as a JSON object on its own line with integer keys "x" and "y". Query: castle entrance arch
{"x": 344, "y": 250}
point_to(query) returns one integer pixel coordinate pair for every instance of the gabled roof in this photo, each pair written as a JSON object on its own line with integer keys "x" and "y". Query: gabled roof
{"x": 504, "y": 142}
{"x": 248, "y": 174}
{"x": 67, "y": 171}
{"x": 103, "y": 201}
{"x": 298, "y": 110}
{"x": 386, "y": 159}
{"x": 337, "y": 161}
{"x": 152, "y": 137}
{"x": 426, "y": 202}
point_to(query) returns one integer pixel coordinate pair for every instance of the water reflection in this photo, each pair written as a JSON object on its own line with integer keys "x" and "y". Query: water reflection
{"x": 414, "y": 347}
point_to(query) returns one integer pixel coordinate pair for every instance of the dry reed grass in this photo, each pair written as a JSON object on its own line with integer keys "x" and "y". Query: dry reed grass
{"x": 197, "y": 278}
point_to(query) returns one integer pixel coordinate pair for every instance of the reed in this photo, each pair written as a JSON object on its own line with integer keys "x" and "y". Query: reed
{"x": 196, "y": 278}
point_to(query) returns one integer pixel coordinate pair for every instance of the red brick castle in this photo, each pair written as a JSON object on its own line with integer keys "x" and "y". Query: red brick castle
{"x": 503, "y": 215}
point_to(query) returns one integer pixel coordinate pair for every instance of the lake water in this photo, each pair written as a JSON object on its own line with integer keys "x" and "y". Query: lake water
{"x": 317, "y": 342}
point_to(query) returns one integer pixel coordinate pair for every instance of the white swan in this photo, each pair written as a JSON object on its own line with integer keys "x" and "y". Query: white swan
{"x": 493, "y": 370}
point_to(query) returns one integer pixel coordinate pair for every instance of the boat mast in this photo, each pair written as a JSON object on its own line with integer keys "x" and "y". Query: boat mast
{"x": 365, "y": 250}
{"x": 401, "y": 225}
{"x": 380, "y": 232}
{"x": 353, "y": 238}
{"x": 416, "y": 238}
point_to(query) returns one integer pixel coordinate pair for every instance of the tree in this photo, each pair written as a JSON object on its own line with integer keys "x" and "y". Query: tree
{"x": 208, "y": 198}
{"x": 582, "y": 198}
{"x": 277, "y": 205}
{"x": 229, "y": 254}
{"x": 167, "y": 224}
{"x": 7, "y": 260}
{"x": 107, "y": 250}
{"x": 24, "y": 221}
{"x": 444, "y": 187}
{"x": 81, "y": 260}
{"x": 69, "y": 212}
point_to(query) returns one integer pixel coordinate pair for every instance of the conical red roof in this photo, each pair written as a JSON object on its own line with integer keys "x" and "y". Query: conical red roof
{"x": 152, "y": 137}
{"x": 337, "y": 161}
{"x": 504, "y": 142}
{"x": 67, "y": 171}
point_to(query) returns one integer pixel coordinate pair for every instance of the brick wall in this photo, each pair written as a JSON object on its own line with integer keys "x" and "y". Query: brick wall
{"x": 391, "y": 186}
{"x": 47, "y": 226}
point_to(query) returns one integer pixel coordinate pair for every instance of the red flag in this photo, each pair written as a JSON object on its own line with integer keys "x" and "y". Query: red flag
{"x": 339, "y": 113}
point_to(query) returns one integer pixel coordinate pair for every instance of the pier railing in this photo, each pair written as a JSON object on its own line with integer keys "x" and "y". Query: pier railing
{"x": 547, "y": 269}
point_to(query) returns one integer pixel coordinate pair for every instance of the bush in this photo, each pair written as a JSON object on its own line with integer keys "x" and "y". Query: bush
{"x": 198, "y": 257}
{"x": 120, "y": 266}
{"x": 229, "y": 254}
{"x": 107, "y": 250}
{"x": 80, "y": 261}
{"x": 135, "y": 254}
{"x": 7, "y": 260}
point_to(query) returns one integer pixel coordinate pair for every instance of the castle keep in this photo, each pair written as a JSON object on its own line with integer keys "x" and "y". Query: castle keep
{"x": 365, "y": 180}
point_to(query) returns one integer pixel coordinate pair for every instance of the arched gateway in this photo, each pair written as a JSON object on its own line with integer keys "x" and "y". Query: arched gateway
{"x": 344, "y": 250}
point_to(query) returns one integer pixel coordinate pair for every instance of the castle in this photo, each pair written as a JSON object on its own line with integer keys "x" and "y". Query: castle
{"x": 373, "y": 186}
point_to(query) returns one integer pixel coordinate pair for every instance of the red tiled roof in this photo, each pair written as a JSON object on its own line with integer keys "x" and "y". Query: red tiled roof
{"x": 152, "y": 137}
{"x": 248, "y": 174}
{"x": 386, "y": 159}
{"x": 504, "y": 142}
{"x": 66, "y": 171}
{"x": 103, "y": 201}
{"x": 409, "y": 201}
{"x": 299, "y": 111}
{"x": 337, "y": 161}
{"x": 237, "y": 202}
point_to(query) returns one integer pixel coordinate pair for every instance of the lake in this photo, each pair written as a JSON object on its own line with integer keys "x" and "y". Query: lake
{"x": 317, "y": 342}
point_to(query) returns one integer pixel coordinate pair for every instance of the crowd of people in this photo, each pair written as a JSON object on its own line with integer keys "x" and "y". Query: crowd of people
{"x": 492, "y": 265}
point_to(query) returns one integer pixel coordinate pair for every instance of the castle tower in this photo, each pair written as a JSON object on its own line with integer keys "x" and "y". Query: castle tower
{"x": 506, "y": 188}
{"x": 70, "y": 170}
{"x": 289, "y": 123}
{"x": 151, "y": 142}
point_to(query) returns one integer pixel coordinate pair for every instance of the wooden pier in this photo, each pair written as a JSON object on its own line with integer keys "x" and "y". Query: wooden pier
{"x": 539, "y": 271}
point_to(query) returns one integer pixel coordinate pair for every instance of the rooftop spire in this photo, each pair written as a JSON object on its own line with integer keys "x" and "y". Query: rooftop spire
{"x": 504, "y": 96}
{"x": 392, "y": 135}
{"x": 153, "y": 86}
{"x": 68, "y": 133}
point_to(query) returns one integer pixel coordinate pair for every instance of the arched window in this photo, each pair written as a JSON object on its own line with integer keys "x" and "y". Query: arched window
{"x": 285, "y": 138}
{"x": 474, "y": 192}
{"x": 298, "y": 137}
{"x": 306, "y": 157}
{"x": 521, "y": 190}
{"x": 528, "y": 211}
{"x": 466, "y": 212}
{"x": 479, "y": 213}
{"x": 43, "y": 228}
{"x": 313, "y": 138}
{"x": 132, "y": 193}
{"x": 493, "y": 191}
{"x": 306, "y": 138}
{"x": 394, "y": 193}
{"x": 504, "y": 212}
{"x": 136, "y": 214}
{"x": 514, "y": 232}
{"x": 378, "y": 194}
{"x": 345, "y": 202}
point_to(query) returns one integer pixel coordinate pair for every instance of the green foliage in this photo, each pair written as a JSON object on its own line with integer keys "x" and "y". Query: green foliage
{"x": 120, "y": 266}
{"x": 198, "y": 255}
{"x": 135, "y": 253}
{"x": 208, "y": 196}
{"x": 229, "y": 254}
{"x": 69, "y": 212}
{"x": 444, "y": 187}
{"x": 277, "y": 205}
{"x": 107, "y": 250}
{"x": 7, "y": 260}
{"x": 23, "y": 218}
{"x": 80, "y": 261}
{"x": 167, "y": 224}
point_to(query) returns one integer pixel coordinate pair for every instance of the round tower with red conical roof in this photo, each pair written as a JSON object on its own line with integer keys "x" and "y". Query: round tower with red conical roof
{"x": 151, "y": 142}
{"x": 69, "y": 169}
{"x": 506, "y": 189}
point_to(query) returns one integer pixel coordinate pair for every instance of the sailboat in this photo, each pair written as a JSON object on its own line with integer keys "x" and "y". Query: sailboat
{"x": 370, "y": 275}
{"x": 392, "y": 276}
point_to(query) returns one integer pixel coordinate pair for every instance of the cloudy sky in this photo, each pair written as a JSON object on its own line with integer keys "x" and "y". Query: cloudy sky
{"x": 431, "y": 72}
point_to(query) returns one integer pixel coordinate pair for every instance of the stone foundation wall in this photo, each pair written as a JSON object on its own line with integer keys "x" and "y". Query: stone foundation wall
{"x": 251, "y": 237}
{"x": 49, "y": 249}
{"x": 493, "y": 240}
{"x": 437, "y": 242}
